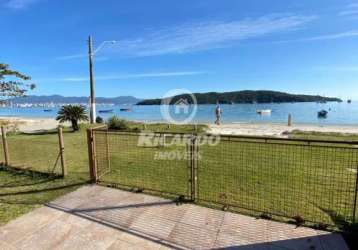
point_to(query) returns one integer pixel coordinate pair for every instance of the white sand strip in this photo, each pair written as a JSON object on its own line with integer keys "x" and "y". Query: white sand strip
{"x": 31, "y": 124}
{"x": 275, "y": 129}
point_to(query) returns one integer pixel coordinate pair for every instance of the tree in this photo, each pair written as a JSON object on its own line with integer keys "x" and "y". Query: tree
{"x": 73, "y": 114}
{"x": 15, "y": 85}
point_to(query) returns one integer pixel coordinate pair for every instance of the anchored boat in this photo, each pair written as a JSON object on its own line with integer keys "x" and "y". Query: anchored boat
{"x": 106, "y": 111}
{"x": 264, "y": 111}
{"x": 322, "y": 114}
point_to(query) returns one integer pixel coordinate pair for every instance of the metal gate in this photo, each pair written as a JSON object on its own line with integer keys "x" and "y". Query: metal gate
{"x": 145, "y": 161}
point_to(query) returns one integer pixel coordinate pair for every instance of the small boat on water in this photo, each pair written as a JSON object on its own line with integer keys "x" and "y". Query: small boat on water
{"x": 125, "y": 109}
{"x": 349, "y": 101}
{"x": 322, "y": 114}
{"x": 263, "y": 111}
{"x": 47, "y": 110}
{"x": 106, "y": 111}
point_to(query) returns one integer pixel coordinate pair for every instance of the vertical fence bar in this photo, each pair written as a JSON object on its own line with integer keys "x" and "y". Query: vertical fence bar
{"x": 62, "y": 152}
{"x": 192, "y": 176}
{"x": 355, "y": 198}
{"x": 196, "y": 162}
{"x": 108, "y": 151}
{"x": 193, "y": 166}
{"x": 5, "y": 146}
{"x": 188, "y": 151}
{"x": 91, "y": 155}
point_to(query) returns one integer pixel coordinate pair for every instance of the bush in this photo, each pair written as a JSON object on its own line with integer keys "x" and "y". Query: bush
{"x": 99, "y": 119}
{"x": 118, "y": 124}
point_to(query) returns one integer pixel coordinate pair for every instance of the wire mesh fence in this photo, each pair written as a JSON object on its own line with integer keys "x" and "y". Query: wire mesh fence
{"x": 122, "y": 160}
{"x": 2, "y": 157}
{"x": 312, "y": 181}
{"x": 34, "y": 152}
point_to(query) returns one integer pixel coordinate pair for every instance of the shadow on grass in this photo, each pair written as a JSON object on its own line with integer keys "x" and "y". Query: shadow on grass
{"x": 17, "y": 184}
{"x": 44, "y": 189}
{"x": 48, "y": 132}
{"x": 28, "y": 172}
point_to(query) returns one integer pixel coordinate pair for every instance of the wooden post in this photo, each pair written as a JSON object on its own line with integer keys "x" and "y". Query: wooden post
{"x": 91, "y": 155}
{"x": 5, "y": 146}
{"x": 62, "y": 151}
{"x": 289, "y": 122}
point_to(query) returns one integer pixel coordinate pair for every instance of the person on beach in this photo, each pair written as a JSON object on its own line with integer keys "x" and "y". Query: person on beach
{"x": 218, "y": 115}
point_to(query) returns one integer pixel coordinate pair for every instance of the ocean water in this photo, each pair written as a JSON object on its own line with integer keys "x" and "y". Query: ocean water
{"x": 306, "y": 113}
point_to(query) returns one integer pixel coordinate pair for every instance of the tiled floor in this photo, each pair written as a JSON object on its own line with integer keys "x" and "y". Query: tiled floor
{"x": 95, "y": 217}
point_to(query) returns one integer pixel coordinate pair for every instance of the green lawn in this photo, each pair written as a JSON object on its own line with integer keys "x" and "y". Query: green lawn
{"x": 21, "y": 191}
{"x": 316, "y": 183}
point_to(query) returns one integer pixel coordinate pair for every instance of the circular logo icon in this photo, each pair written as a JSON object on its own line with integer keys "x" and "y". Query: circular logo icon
{"x": 178, "y": 106}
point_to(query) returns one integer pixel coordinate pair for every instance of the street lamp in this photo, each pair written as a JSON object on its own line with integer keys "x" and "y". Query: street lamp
{"x": 91, "y": 54}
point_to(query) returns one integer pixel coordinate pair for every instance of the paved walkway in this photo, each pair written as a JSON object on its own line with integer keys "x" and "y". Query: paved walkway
{"x": 95, "y": 217}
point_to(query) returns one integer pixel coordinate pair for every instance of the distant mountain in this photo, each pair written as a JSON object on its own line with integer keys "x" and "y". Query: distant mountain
{"x": 64, "y": 99}
{"x": 245, "y": 96}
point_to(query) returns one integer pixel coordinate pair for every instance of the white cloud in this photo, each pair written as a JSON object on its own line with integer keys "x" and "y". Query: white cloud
{"x": 80, "y": 56}
{"x": 351, "y": 33}
{"x": 128, "y": 76}
{"x": 346, "y": 34}
{"x": 19, "y": 4}
{"x": 206, "y": 35}
{"x": 350, "y": 11}
{"x": 70, "y": 57}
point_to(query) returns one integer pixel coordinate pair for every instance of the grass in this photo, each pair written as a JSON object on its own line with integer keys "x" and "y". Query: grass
{"x": 298, "y": 134}
{"x": 21, "y": 191}
{"x": 315, "y": 183}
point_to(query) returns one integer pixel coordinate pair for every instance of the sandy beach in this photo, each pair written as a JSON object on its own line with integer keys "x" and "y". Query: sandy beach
{"x": 29, "y": 124}
{"x": 277, "y": 129}
{"x": 258, "y": 129}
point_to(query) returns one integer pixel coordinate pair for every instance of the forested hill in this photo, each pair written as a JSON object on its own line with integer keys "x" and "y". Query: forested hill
{"x": 246, "y": 96}
{"x": 66, "y": 99}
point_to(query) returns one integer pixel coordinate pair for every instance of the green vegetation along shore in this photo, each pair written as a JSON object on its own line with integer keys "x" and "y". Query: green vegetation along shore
{"x": 246, "y": 96}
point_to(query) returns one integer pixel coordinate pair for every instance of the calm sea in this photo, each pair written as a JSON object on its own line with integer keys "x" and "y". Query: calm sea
{"x": 340, "y": 113}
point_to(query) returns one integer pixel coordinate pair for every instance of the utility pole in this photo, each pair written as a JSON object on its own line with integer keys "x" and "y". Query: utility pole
{"x": 92, "y": 97}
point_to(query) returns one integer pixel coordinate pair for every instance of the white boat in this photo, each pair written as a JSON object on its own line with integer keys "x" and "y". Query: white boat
{"x": 264, "y": 111}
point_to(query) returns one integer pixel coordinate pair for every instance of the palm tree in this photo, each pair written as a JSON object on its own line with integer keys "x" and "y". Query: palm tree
{"x": 73, "y": 114}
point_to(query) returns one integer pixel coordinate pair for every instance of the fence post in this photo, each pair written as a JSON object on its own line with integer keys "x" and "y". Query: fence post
{"x": 62, "y": 151}
{"x": 5, "y": 146}
{"x": 108, "y": 151}
{"x": 91, "y": 155}
{"x": 355, "y": 198}
{"x": 193, "y": 147}
{"x": 289, "y": 122}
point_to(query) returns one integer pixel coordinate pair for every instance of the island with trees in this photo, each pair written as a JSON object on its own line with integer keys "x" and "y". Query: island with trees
{"x": 245, "y": 96}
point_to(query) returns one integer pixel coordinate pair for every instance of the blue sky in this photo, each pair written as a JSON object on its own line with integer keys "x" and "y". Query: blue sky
{"x": 295, "y": 46}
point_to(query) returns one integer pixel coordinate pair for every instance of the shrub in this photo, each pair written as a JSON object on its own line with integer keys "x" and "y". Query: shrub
{"x": 118, "y": 124}
{"x": 99, "y": 119}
